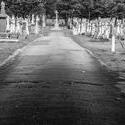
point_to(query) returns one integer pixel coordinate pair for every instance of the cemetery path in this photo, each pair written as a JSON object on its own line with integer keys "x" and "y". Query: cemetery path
{"x": 56, "y": 82}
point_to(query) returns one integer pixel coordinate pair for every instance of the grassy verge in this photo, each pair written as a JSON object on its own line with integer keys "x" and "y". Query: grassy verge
{"x": 102, "y": 50}
{"x": 45, "y": 31}
{"x": 8, "y": 48}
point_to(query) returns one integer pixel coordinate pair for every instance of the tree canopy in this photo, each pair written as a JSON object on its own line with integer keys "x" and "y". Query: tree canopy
{"x": 67, "y": 8}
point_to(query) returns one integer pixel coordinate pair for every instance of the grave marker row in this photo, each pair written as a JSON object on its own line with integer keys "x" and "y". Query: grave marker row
{"x": 104, "y": 28}
{"x": 13, "y": 26}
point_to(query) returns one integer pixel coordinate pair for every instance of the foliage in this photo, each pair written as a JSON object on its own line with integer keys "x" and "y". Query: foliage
{"x": 67, "y": 8}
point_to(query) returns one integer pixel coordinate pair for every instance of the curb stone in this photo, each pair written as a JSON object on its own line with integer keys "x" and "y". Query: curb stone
{"x": 14, "y": 55}
{"x": 18, "y": 51}
{"x": 100, "y": 61}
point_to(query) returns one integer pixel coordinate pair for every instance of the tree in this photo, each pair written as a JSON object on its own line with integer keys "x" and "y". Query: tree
{"x": 89, "y": 9}
{"x": 64, "y": 9}
{"x": 24, "y": 8}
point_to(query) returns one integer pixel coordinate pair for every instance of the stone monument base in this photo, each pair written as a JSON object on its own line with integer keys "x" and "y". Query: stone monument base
{"x": 9, "y": 40}
{"x": 56, "y": 28}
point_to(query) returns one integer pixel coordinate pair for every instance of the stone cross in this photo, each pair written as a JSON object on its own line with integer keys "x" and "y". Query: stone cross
{"x": 57, "y": 23}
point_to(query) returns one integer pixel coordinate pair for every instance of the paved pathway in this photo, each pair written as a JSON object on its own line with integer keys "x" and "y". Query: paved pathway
{"x": 56, "y": 82}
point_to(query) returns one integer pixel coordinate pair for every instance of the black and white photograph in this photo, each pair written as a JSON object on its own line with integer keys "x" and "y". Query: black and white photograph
{"x": 62, "y": 62}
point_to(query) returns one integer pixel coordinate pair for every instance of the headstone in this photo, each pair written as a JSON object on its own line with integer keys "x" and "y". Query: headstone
{"x": 13, "y": 26}
{"x": 37, "y": 26}
{"x": 83, "y": 27}
{"x": 43, "y": 21}
{"x": 29, "y": 20}
{"x": 32, "y": 24}
{"x": 33, "y": 19}
{"x": 3, "y": 18}
{"x": 113, "y": 47}
{"x": 26, "y": 27}
{"x": 57, "y": 22}
{"x": 8, "y": 24}
{"x": 18, "y": 27}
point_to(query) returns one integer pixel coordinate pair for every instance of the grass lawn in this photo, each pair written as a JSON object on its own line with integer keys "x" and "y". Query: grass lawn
{"x": 102, "y": 50}
{"x": 8, "y": 48}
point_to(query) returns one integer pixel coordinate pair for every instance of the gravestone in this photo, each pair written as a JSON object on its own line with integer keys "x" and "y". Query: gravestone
{"x": 25, "y": 28}
{"x": 8, "y": 24}
{"x": 44, "y": 21}
{"x": 32, "y": 25}
{"x": 13, "y": 26}
{"x": 33, "y": 19}
{"x": 3, "y": 18}
{"x": 37, "y": 26}
{"x": 57, "y": 22}
{"x": 18, "y": 27}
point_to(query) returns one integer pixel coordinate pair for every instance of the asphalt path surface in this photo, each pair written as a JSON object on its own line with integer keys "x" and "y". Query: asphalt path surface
{"x": 54, "y": 81}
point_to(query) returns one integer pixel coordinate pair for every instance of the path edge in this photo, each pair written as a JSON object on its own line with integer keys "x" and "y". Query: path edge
{"x": 98, "y": 59}
{"x": 13, "y": 56}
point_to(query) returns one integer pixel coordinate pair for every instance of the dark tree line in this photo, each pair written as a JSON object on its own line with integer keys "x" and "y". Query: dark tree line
{"x": 67, "y": 8}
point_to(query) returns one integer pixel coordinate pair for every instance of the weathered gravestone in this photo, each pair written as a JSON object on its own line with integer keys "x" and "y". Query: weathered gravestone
{"x": 37, "y": 25}
{"x": 13, "y": 26}
{"x": 43, "y": 21}
{"x": 32, "y": 25}
{"x": 25, "y": 28}
{"x": 8, "y": 24}
{"x": 57, "y": 22}
{"x": 3, "y": 20}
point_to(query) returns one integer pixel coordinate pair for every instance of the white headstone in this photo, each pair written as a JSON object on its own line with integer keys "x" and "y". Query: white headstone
{"x": 56, "y": 23}
{"x": 8, "y": 24}
{"x": 12, "y": 29}
{"x": 44, "y": 21}
{"x": 18, "y": 27}
{"x": 27, "y": 27}
{"x": 33, "y": 19}
{"x": 37, "y": 26}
